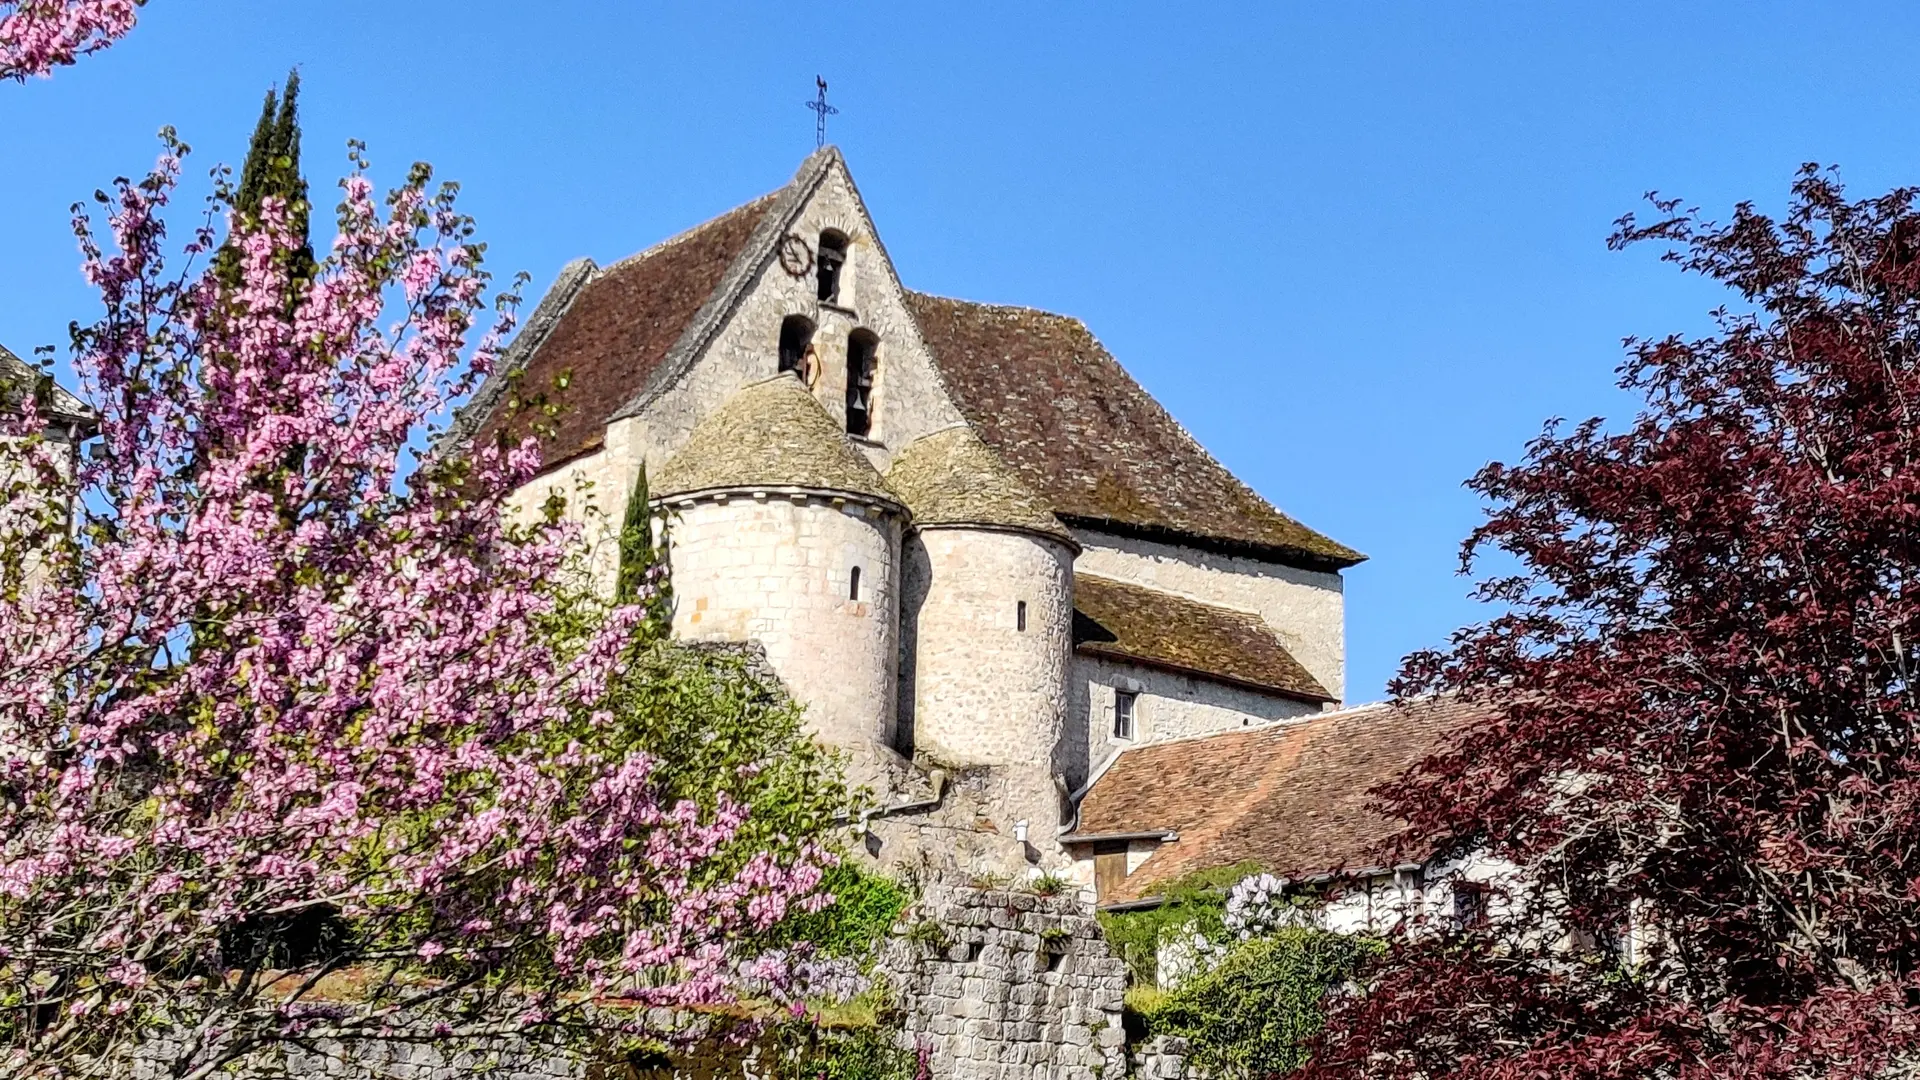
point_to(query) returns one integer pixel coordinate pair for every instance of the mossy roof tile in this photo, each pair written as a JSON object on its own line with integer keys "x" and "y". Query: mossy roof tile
{"x": 1043, "y": 392}
{"x": 616, "y": 331}
{"x": 950, "y": 477}
{"x": 1132, "y": 622}
{"x": 770, "y": 434}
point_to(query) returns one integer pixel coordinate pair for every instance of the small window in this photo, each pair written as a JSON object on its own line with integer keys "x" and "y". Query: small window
{"x": 863, "y": 350}
{"x": 833, "y": 256}
{"x": 796, "y": 336}
{"x": 1469, "y": 904}
{"x": 853, "y": 584}
{"x": 1124, "y": 702}
{"x": 1020, "y": 616}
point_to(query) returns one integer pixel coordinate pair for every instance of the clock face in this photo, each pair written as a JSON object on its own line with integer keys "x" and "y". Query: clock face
{"x": 796, "y": 258}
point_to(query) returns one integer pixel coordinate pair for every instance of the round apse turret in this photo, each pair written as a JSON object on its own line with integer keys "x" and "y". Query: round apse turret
{"x": 780, "y": 532}
{"x": 986, "y": 620}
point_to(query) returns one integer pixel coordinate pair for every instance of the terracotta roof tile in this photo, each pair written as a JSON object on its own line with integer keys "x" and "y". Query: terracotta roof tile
{"x": 1041, "y": 390}
{"x": 617, "y": 330}
{"x": 771, "y": 433}
{"x": 952, "y": 478}
{"x": 1294, "y": 798}
{"x": 1131, "y": 622}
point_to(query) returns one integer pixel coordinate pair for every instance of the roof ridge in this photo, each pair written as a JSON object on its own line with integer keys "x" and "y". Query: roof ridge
{"x": 1002, "y": 307}
{"x": 688, "y": 233}
{"x": 786, "y": 204}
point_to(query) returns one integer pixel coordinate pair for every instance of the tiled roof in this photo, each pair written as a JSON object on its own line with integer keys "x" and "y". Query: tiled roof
{"x": 1294, "y": 798}
{"x": 1041, "y": 390}
{"x": 1130, "y": 622}
{"x": 616, "y": 331}
{"x": 17, "y": 378}
{"x": 951, "y": 478}
{"x": 771, "y": 433}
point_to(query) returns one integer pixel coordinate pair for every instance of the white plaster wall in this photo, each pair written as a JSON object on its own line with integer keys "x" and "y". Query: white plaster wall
{"x": 1305, "y": 608}
{"x": 777, "y": 570}
{"x": 979, "y": 690}
{"x": 1170, "y": 706}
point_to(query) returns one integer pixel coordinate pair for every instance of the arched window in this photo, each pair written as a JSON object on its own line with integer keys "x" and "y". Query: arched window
{"x": 832, "y": 257}
{"x": 863, "y": 358}
{"x": 853, "y": 584}
{"x": 796, "y": 333}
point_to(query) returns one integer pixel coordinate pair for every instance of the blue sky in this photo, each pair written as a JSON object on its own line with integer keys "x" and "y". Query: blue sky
{"x": 1358, "y": 249}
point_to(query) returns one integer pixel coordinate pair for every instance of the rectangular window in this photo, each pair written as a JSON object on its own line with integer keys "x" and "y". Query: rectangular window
{"x": 1469, "y": 904}
{"x": 1020, "y": 615}
{"x": 1123, "y": 708}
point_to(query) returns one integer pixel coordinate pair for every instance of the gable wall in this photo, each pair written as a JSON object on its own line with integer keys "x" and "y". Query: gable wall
{"x": 909, "y": 399}
{"x": 1171, "y": 706}
{"x": 1305, "y": 608}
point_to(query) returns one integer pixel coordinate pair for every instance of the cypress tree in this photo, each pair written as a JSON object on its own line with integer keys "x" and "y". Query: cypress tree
{"x": 272, "y": 169}
{"x": 642, "y": 577}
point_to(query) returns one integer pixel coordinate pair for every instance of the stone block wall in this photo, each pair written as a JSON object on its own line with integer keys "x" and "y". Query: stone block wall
{"x": 1170, "y": 706}
{"x": 777, "y": 569}
{"x": 1015, "y": 986}
{"x": 999, "y": 984}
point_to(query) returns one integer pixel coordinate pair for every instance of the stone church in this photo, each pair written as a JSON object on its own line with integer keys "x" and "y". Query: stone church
{"x": 983, "y": 557}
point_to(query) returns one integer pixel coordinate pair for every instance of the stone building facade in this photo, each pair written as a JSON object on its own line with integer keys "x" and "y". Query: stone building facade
{"x": 982, "y": 555}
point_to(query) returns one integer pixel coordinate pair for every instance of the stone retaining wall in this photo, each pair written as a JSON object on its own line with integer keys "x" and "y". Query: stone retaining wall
{"x": 999, "y": 984}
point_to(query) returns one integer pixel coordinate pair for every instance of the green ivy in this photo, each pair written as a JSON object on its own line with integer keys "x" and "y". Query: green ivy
{"x": 1194, "y": 903}
{"x": 1252, "y": 1015}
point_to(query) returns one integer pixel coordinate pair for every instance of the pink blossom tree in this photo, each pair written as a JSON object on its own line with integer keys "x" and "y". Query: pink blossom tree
{"x": 37, "y": 36}
{"x": 300, "y": 733}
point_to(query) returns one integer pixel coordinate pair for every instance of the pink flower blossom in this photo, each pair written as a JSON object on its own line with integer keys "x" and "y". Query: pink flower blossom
{"x": 37, "y": 36}
{"x": 256, "y": 665}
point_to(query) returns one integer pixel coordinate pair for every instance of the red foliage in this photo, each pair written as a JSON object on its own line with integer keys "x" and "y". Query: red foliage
{"x": 1707, "y": 663}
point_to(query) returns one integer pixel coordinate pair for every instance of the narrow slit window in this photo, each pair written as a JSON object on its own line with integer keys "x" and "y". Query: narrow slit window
{"x": 1124, "y": 703}
{"x": 863, "y": 351}
{"x": 796, "y": 335}
{"x": 831, "y": 260}
{"x": 1020, "y": 616}
{"x": 853, "y": 584}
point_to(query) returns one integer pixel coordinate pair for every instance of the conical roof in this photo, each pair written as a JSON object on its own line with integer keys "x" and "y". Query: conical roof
{"x": 770, "y": 434}
{"x": 952, "y": 478}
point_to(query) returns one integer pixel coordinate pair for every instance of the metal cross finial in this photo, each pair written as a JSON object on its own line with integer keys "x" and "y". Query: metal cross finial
{"x": 821, "y": 110}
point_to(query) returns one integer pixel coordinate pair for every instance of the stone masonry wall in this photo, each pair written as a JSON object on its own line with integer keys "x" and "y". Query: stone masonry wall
{"x": 777, "y": 569}
{"x": 998, "y": 984}
{"x": 1170, "y": 706}
{"x": 1018, "y": 986}
{"x": 977, "y": 687}
{"x": 909, "y": 400}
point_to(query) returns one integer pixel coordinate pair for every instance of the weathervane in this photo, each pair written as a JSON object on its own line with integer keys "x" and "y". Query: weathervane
{"x": 821, "y": 110}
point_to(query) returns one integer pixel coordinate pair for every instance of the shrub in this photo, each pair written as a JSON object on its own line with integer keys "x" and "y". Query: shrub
{"x": 1195, "y": 903}
{"x": 1252, "y": 1015}
{"x": 865, "y": 907}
